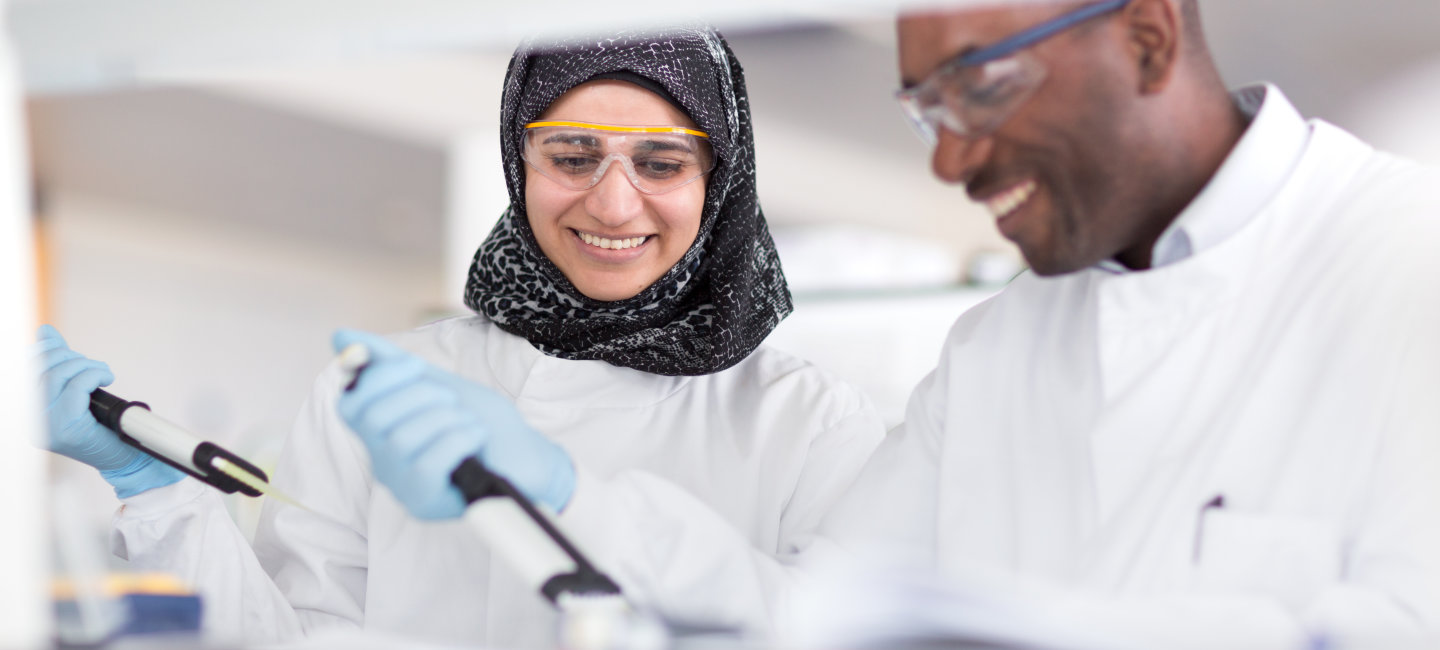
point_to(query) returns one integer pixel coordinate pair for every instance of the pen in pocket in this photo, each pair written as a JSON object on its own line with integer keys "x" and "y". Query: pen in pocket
{"x": 1213, "y": 504}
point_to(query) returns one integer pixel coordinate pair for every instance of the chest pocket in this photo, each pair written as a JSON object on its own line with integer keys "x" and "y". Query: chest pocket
{"x": 1289, "y": 558}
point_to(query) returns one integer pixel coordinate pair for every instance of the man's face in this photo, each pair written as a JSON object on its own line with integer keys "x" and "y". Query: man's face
{"x": 1062, "y": 175}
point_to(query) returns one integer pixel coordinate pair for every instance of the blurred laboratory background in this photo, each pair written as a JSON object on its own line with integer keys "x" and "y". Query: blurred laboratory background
{"x": 217, "y": 189}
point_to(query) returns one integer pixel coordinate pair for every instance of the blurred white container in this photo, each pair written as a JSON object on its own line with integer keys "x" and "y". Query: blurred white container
{"x": 842, "y": 257}
{"x": 25, "y": 619}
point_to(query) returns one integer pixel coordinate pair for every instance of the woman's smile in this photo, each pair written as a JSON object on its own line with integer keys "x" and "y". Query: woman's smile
{"x": 612, "y": 248}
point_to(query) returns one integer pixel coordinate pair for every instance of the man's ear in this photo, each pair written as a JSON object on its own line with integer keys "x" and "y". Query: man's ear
{"x": 1153, "y": 28}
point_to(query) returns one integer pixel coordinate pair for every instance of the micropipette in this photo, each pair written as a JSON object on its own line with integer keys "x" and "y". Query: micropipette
{"x": 174, "y": 446}
{"x": 514, "y": 527}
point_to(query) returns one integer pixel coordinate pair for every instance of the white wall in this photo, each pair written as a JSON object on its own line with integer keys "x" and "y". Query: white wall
{"x": 882, "y": 342}
{"x": 1400, "y": 112}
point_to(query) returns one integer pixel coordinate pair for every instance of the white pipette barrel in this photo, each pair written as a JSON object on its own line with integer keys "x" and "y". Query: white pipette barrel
{"x": 512, "y": 526}
{"x": 524, "y": 535}
{"x": 170, "y": 443}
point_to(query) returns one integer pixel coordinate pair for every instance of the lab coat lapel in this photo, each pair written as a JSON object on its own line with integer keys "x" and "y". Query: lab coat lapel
{"x": 1168, "y": 355}
{"x": 1016, "y": 485}
{"x": 1200, "y": 420}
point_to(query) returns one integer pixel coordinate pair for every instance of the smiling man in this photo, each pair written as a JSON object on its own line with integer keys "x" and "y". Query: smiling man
{"x": 1214, "y": 395}
{"x": 1212, "y": 404}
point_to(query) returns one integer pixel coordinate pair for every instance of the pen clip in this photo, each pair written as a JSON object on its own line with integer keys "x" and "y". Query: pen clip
{"x": 1215, "y": 503}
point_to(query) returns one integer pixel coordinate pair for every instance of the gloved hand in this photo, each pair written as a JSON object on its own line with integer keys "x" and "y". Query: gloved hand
{"x": 419, "y": 422}
{"x": 67, "y": 379}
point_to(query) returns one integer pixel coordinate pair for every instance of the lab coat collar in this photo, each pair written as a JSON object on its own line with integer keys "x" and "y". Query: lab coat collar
{"x": 1253, "y": 172}
{"x": 523, "y": 372}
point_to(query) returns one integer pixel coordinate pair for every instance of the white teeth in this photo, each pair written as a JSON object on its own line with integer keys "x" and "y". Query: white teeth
{"x": 1005, "y": 202}
{"x": 612, "y": 244}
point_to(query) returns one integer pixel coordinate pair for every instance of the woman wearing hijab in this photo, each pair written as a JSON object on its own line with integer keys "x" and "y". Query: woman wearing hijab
{"x": 612, "y": 371}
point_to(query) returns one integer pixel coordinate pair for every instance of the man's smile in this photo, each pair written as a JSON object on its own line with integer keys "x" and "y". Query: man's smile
{"x": 1007, "y": 201}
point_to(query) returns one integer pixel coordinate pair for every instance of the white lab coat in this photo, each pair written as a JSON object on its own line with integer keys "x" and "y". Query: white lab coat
{"x": 763, "y": 447}
{"x": 1076, "y": 427}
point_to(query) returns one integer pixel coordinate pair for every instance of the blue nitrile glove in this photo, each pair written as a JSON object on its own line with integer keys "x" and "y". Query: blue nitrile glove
{"x": 419, "y": 422}
{"x": 67, "y": 378}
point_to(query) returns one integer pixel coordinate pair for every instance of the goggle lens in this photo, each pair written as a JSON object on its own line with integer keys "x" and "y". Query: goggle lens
{"x": 971, "y": 100}
{"x": 655, "y": 159}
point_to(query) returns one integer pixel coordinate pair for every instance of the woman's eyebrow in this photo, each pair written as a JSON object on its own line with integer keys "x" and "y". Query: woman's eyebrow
{"x": 573, "y": 138}
{"x": 662, "y": 145}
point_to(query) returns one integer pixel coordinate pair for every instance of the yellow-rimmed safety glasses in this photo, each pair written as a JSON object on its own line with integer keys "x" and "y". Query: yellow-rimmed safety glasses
{"x": 974, "y": 93}
{"x": 656, "y": 159}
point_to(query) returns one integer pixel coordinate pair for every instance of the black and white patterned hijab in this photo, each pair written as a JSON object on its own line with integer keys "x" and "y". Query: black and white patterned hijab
{"x": 714, "y": 307}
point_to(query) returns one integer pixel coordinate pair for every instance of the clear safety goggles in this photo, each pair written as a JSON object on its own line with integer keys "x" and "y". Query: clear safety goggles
{"x": 656, "y": 159}
{"x": 974, "y": 93}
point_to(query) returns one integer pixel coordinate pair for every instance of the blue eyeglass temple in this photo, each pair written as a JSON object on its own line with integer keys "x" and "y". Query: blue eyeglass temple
{"x": 1026, "y": 38}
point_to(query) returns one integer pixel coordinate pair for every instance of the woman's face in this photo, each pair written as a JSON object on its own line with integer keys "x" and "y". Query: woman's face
{"x": 660, "y": 227}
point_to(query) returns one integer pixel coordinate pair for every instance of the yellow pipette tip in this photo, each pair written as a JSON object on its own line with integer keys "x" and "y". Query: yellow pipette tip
{"x": 240, "y": 474}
